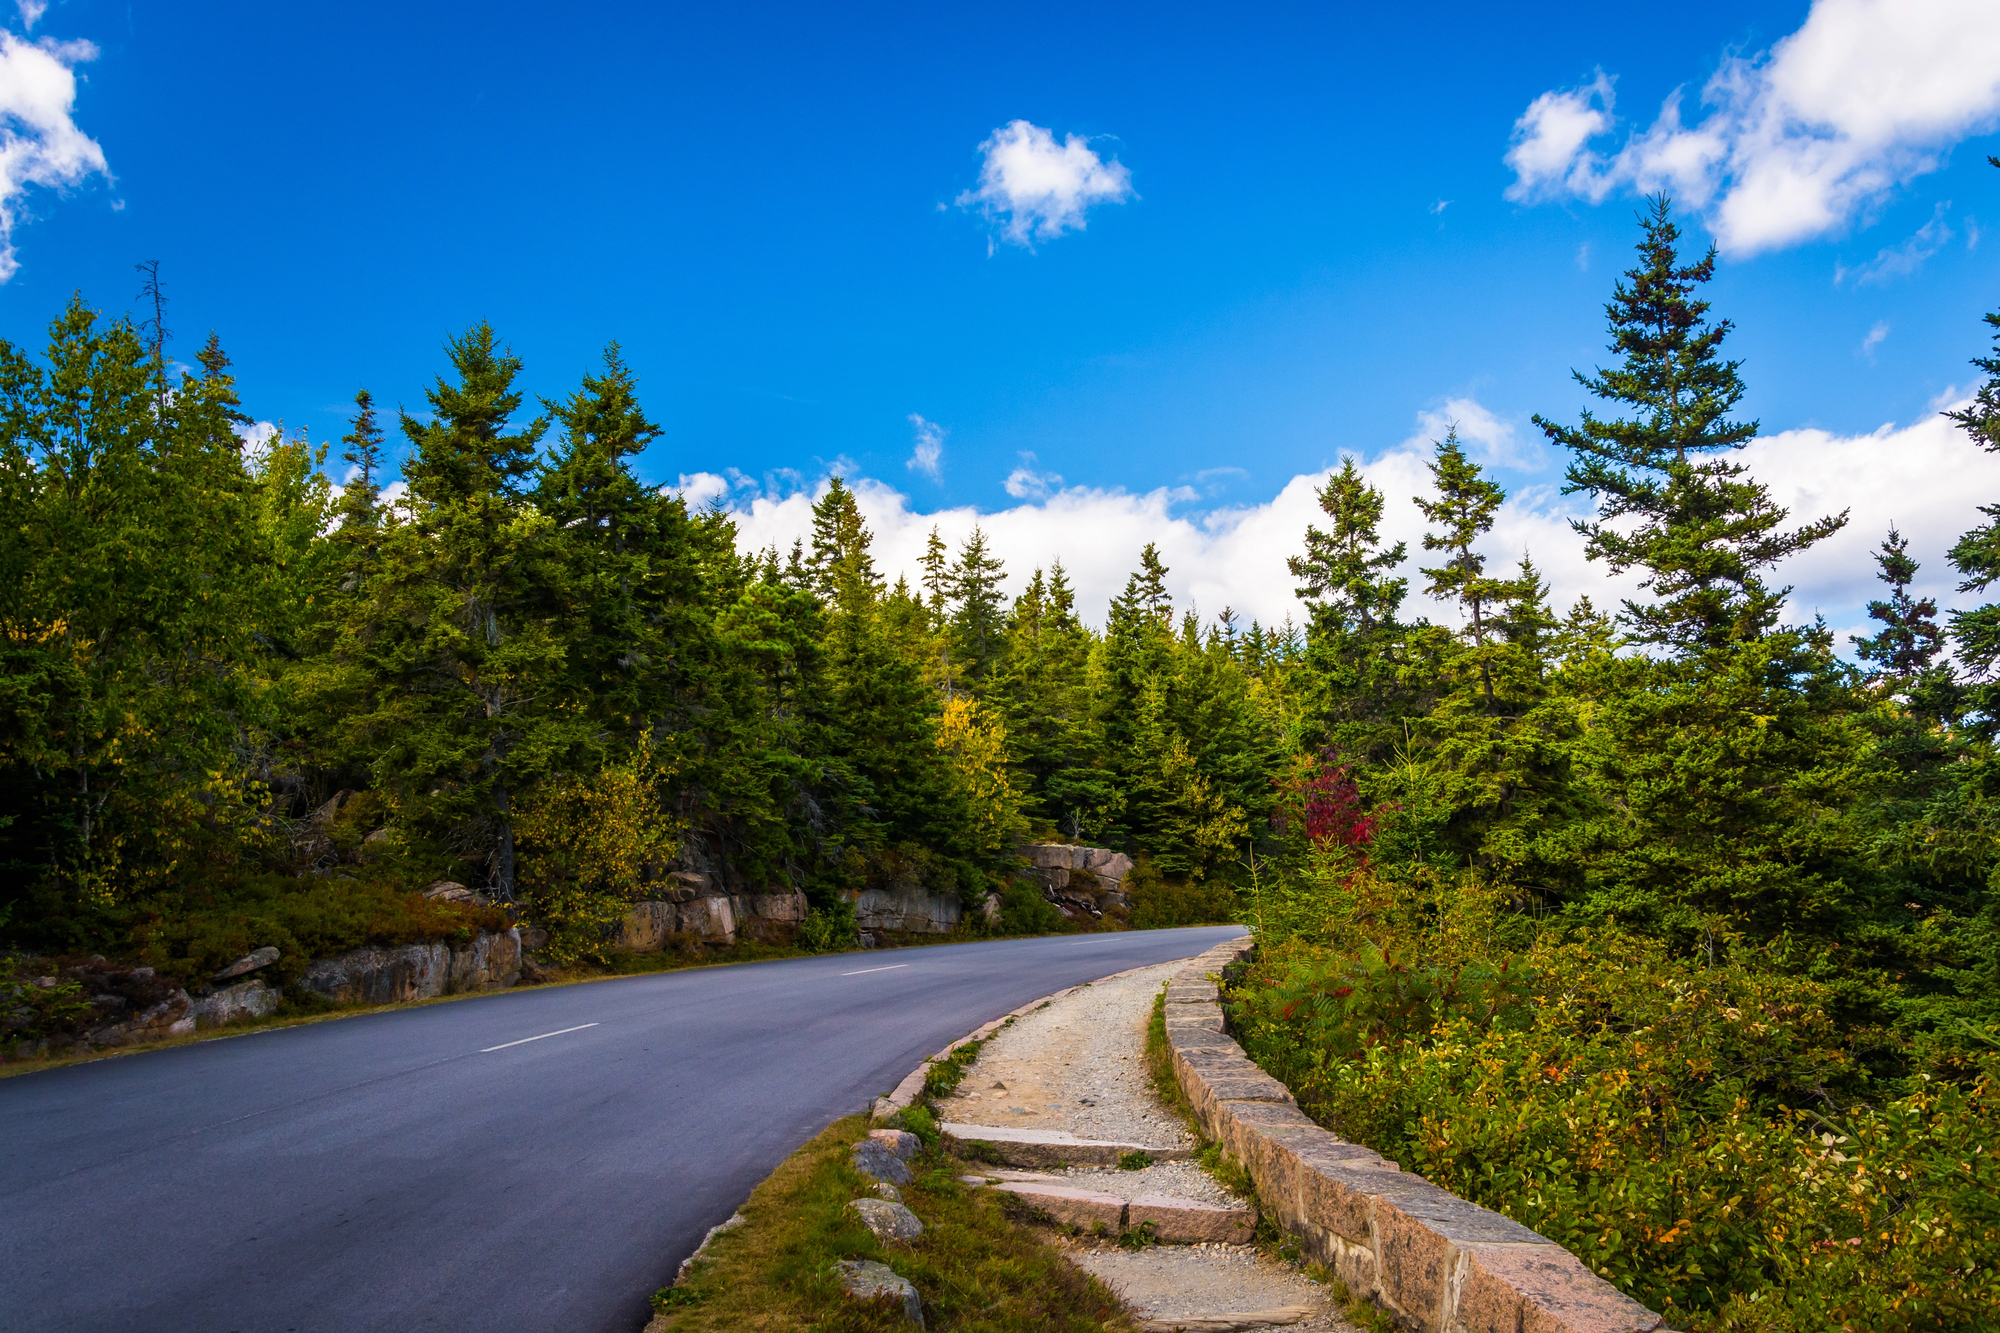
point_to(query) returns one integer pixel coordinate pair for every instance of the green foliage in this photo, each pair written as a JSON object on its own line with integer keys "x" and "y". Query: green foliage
{"x": 1158, "y": 903}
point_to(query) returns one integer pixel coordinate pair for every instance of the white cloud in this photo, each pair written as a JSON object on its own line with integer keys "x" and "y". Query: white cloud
{"x": 1235, "y": 555}
{"x": 39, "y": 143}
{"x": 1899, "y": 261}
{"x": 31, "y": 12}
{"x": 1487, "y": 438}
{"x": 1798, "y": 140}
{"x": 1027, "y": 483}
{"x": 1440, "y": 206}
{"x": 928, "y": 457}
{"x": 1874, "y": 339}
{"x": 1033, "y": 189}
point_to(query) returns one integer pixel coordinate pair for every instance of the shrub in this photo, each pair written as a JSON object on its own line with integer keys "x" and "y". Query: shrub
{"x": 1696, "y": 1128}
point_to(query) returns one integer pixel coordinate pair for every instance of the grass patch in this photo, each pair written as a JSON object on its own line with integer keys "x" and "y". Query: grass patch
{"x": 977, "y": 1267}
{"x": 1160, "y": 1067}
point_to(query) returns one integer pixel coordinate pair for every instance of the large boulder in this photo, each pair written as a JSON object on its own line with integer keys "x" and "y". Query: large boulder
{"x": 246, "y": 999}
{"x": 248, "y": 963}
{"x": 711, "y": 920}
{"x": 867, "y": 1280}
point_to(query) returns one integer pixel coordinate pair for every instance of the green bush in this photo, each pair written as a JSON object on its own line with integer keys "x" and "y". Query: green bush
{"x": 1156, "y": 903}
{"x": 1023, "y": 911}
{"x": 1696, "y": 1129}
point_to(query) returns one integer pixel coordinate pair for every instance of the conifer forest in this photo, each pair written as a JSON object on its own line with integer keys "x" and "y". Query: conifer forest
{"x": 1668, "y": 928}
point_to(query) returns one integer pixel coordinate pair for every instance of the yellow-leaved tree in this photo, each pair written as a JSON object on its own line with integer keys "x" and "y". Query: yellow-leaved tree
{"x": 587, "y": 845}
{"x": 975, "y": 742}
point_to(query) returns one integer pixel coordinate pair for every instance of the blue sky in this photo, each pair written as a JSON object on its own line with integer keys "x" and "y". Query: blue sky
{"x": 762, "y": 205}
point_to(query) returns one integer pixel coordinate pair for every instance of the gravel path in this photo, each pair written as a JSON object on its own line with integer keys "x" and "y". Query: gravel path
{"x": 1209, "y": 1280}
{"x": 1078, "y": 1064}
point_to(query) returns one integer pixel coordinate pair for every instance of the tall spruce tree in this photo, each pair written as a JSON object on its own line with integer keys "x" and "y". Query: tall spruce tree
{"x": 1353, "y": 640}
{"x": 1909, "y": 641}
{"x": 463, "y": 637}
{"x": 1465, "y": 505}
{"x": 1669, "y": 499}
{"x": 1976, "y": 631}
{"x": 978, "y": 611}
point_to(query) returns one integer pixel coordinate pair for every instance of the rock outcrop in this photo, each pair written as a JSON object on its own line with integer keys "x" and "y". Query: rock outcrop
{"x": 1080, "y": 881}
{"x": 416, "y": 971}
{"x": 907, "y": 908}
{"x": 689, "y": 910}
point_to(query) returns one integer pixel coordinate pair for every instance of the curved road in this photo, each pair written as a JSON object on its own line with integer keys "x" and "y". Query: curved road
{"x": 451, "y": 1167}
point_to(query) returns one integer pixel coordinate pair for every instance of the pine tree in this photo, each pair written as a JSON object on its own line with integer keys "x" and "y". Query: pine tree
{"x": 977, "y": 611}
{"x": 360, "y": 505}
{"x": 1976, "y": 555}
{"x": 632, "y": 617}
{"x": 1344, "y": 574}
{"x": 1910, "y": 640}
{"x": 1465, "y": 505}
{"x": 1702, "y": 531}
{"x": 840, "y": 569}
{"x": 1356, "y": 696}
{"x": 462, "y": 636}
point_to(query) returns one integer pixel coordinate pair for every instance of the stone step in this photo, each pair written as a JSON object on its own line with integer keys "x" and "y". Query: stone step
{"x": 1228, "y": 1323}
{"x": 1175, "y": 1221}
{"x": 1053, "y": 1147}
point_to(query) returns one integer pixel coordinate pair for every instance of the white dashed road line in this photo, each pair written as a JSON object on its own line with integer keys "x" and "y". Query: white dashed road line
{"x": 891, "y": 968}
{"x": 525, "y": 1040}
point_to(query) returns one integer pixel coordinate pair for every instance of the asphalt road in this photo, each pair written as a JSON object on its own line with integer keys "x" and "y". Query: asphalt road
{"x": 452, "y": 1167}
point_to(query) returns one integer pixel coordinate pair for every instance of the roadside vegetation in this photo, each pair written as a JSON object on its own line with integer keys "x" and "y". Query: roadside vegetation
{"x": 1670, "y": 935}
{"x": 978, "y": 1267}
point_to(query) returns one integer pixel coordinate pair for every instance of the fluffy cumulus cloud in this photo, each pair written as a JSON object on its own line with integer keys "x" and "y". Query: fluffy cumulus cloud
{"x": 1032, "y": 188}
{"x": 928, "y": 455}
{"x": 1234, "y": 556}
{"x": 40, "y": 143}
{"x": 1793, "y": 142}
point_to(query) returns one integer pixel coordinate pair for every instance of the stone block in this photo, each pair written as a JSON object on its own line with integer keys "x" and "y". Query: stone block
{"x": 1542, "y": 1289}
{"x": 1198, "y": 991}
{"x": 907, "y": 909}
{"x": 712, "y": 920}
{"x": 246, "y": 999}
{"x": 1072, "y": 1207}
{"x": 1038, "y": 1149}
{"x": 1187, "y": 1222}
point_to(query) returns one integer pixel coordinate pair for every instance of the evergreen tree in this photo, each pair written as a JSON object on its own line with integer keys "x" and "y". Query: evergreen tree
{"x": 360, "y": 505}
{"x": 1702, "y": 531}
{"x": 1344, "y": 575}
{"x": 1907, "y": 646}
{"x": 977, "y": 613}
{"x": 1976, "y": 555}
{"x": 1465, "y": 505}
{"x": 462, "y": 639}
{"x": 1354, "y": 639}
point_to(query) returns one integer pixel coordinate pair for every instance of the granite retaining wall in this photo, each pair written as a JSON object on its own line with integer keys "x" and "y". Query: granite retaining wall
{"x": 1434, "y": 1262}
